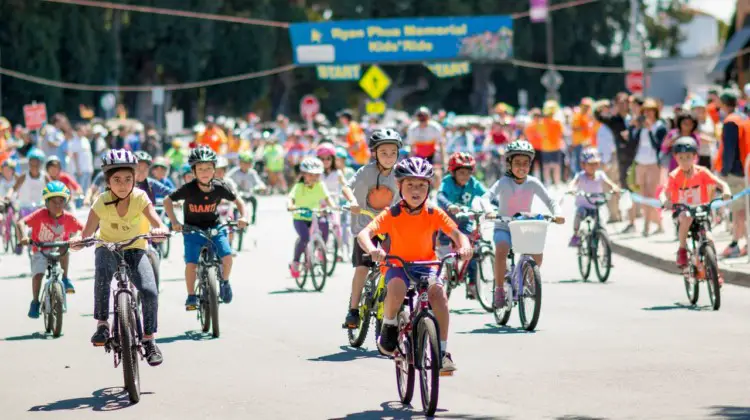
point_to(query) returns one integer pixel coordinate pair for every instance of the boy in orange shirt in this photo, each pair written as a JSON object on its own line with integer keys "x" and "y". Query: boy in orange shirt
{"x": 411, "y": 226}
{"x": 689, "y": 184}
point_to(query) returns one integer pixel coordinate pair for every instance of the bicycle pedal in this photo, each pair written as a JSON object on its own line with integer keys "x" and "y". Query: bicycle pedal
{"x": 446, "y": 373}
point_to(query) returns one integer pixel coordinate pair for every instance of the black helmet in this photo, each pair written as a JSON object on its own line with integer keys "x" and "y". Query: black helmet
{"x": 685, "y": 144}
{"x": 414, "y": 167}
{"x": 201, "y": 154}
{"x": 385, "y": 136}
{"x": 143, "y": 157}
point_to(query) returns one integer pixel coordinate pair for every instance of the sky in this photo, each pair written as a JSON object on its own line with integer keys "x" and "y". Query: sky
{"x": 722, "y": 9}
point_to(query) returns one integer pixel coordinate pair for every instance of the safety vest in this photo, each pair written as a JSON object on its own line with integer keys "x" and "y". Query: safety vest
{"x": 743, "y": 126}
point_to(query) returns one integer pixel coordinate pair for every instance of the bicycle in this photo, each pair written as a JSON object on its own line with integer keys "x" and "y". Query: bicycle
{"x": 127, "y": 329}
{"x": 594, "y": 241}
{"x": 524, "y": 278}
{"x": 53, "y": 299}
{"x": 334, "y": 243}
{"x": 314, "y": 259}
{"x": 420, "y": 352}
{"x": 702, "y": 262}
{"x": 165, "y": 246}
{"x": 484, "y": 256}
{"x": 208, "y": 274}
{"x": 8, "y": 227}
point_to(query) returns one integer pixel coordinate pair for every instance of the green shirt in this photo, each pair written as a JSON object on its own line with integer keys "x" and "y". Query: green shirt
{"x": 176, "y": 157}
{"x": 273, "y": 155}
{"x": 307, "y": 198}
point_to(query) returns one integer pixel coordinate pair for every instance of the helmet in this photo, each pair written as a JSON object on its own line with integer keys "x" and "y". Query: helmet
{"x": 35, "y": 154}
{"x": 590, "y": 155}
{"x": 341, "y": 152}
{"x": 9, "y": 163}
{"x": 685, "y": 144}
{"x": 176, "y": 143}
{"x": 385, "y": 136}
{"x": 325, "y": 149}
{"x": 414, "y": 167}
{"x": 423, "y": 110}
{"x": 519, "y": 147}
{"x": 186, "y": 169}
{"x": 118, "y": 158}
{"x": 246, "y": 156}
{"x": 52, "y": 160}
{"x": 161, "y": 162}
{"x": 201, "y": 154}
{"x": 222, "y": 162}
{"x": 311, "y": 165}
{"x": 461, "y": 160}
{"x": 55, "y": 189}
{"x": 143, "y": 157}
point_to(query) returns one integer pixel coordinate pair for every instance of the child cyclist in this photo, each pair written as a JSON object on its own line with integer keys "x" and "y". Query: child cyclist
{"x": 118, "y": 215}
{"x": 689, "y": 184}
{"x": 411, "y": 226}
{"x": 460, "y": 188}
{"x": 49, "y": 224}
{"x": 307, "y": 193}
{"x": 514, "y": 194}
{"x": 590, "y": 180}
{"x": 27, "y": 187}
{"x": 373, "y": 189}
{"x": 160, "y": 171}
{"x": 202, "y": 196}
{"x": 247, "y": 180}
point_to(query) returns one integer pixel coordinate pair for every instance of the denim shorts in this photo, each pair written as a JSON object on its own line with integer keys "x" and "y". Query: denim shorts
{"x": 194, "y": 242}
{"x": 416, "y": 271}
{"x": 502, "y": 236}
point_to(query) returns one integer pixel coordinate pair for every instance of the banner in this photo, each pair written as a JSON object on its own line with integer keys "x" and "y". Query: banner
{"x": 348, "y": 72}
{"x": 485, "y": 38}
{"x": 450, "y": 69}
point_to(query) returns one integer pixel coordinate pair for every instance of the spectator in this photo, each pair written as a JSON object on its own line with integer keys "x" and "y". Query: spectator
{"x": 532, "y": 134}
{"x": 152, "y": 143}
{"x": 213, "y": 136}
{"x": 552, "y": 143}
{"x": 581, "y": 125}
{"x": 355, "y": 138}
{"x": 617, "y": 122}
{"x": 686, "y": 126}
{"x": 706, "y": 132}
{"x": 605, "y": 143}
{"x": 81, "y": 158}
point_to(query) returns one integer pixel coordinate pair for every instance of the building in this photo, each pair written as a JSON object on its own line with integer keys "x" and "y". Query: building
{"x": 733, "y": 63}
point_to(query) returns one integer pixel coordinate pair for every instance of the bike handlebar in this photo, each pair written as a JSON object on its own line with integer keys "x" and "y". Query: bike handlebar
{"x": 523, "y": 216}
{"x": 206, "y": 232}
{"x": 693, "y": 210}
{"x": 440, "y": 263}
{"x": 122, "y": 244}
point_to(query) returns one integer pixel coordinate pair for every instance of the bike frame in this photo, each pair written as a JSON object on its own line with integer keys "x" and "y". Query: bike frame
{"x": 54, "y": 272}
{"x": 698, "y": 233}
{"x": 477, "y": 243}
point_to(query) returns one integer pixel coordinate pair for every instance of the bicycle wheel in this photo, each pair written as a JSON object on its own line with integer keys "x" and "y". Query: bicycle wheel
{"x": 430, "y": 361}
{"x": 584, "y": 257}
{"x": 502, "y": 315}
{"x": 602, "y": 256}
{"x": 451, "y": 282}
{"x": 318, "y": 272}
{"x": 712, "y": 277}
{"x": 358, "y": 335}
{"x": 530, "y": 299}
{"x": 213, "y": 301}
{"x": 690, "y": 280}
{"x": 204, "y": 310}
{"x": 165, "y": 248}
{"x": 240, "y": 235}
{"x": 302, "y": 267}
{"x": 6, "y": 234}
{"x": 405, "y": 371}
{"x": 128, "y": 347}
{"x": 332, "y": 253}
{"x": 55, "y": 314}
{"x": 486, "y": 283}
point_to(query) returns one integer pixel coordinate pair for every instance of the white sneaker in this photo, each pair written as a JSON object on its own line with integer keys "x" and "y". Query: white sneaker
{"x": 448, "y": 366}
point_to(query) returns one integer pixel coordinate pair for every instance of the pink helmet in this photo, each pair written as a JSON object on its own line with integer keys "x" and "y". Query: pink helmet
{"x": 325, "y": 149}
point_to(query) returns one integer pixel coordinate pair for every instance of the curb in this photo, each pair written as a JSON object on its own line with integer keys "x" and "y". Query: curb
{"x": 734, "y": 277}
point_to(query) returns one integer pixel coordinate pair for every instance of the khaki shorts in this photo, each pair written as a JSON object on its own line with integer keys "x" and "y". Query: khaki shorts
{"x": 648, "y": 178}
{"x": 736, "y": 184}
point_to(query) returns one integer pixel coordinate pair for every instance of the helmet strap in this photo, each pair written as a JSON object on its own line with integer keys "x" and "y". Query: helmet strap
{"x": 405, "y": 204}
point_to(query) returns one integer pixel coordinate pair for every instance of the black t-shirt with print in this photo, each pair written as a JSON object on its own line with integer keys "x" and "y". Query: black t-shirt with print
{"x": 200, "y": 208}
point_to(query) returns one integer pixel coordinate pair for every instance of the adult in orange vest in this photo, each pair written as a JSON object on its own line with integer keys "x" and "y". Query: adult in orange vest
{"x": 356, "y": 142}
{"x": 730, "y": 163}
{"x": 213, "y": 136}
{"x": 552, "y": 143}
{"x": 582, "y": 125}
{"x": 532, "y": 133}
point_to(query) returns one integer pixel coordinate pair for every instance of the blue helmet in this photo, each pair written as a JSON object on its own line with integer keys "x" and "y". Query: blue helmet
{"x": 36, "y": 154}
{"x": 186, "y": 169}
{"x": 56, "y": 189}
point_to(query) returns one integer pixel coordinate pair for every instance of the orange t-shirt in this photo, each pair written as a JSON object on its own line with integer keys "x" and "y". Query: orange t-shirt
{"x": 412, "y": 236}
{"x": 552, "y": 135}
{"x": 713, "y": 112}
{"x": 212, "y": 138}
{"x": 692, "y": 191}
{"x": 582, "y": 129}
{"x": 594, "y": 131}
{"x": 531, "y": 132}
{"x": 357, "y": 144}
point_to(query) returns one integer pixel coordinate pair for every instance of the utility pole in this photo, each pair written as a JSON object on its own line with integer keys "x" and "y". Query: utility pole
{"x": 553, "y": 92}
{"x": 1, "y": 82}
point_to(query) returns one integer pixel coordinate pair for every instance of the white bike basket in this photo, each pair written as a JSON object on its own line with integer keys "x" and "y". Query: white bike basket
{"x": 528, "y": 236}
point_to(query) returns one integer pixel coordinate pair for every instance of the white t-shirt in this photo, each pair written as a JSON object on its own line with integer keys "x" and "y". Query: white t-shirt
{"x": 424, "y": 139}
{"x": 646, "y": 154}
{"x": 707, "y": 128}
{"x": 84, "y": 160}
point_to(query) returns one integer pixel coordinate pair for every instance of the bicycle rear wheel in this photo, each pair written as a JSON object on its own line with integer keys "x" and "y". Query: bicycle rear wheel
{"x": 690, "y": 279}
{"x": 530, "y": 297}
{"x": 712, "y": 277}
{"x": 213, "y": 301}
{"x": 486, "y": 283}
{"x": 405, "y": 372}
{"x": 302, "y": 267}
{"x": 603, "y": 256}
{"x": 318, "y": 272}
{"x": 55, "y": 315}
{"x": 165, "y": 248}
{"x": 204, "y": 309}
{"x": 584, "y": 257}
{"x": 358, "y": 335}
{"x": 332, "y": 253}
{"x": 128, "y": 347}
{"x": 430, "y": 361}
{"x": 502, "y": 315}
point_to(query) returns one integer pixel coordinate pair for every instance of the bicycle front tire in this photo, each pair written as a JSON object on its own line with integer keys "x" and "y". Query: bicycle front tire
{"x": 213, "y": 301}
{"x": 56, "y": 309}
{"x": 712, "y": 277}
{"x": 530, "y": 272}
{"x": 602, "y": 256}
{"x": 429, "y": 373}
{"x": 129, "y": 357}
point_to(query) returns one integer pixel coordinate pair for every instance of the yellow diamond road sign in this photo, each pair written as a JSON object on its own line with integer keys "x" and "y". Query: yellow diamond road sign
{"x": 375, "y": 82}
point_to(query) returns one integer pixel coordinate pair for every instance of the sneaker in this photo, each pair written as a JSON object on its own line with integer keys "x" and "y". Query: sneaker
{"x": 575, "y": 241}
{"x": 499, "y": 297}
{"x": 448, "y": 366}
{"x": 69, "y": 289}
{"x": 191, "y": 303}
{"x": 294, "y": 270}
{"x": 731, "y": 252}
{"x": 352, "y": 319}
{"x": 629, "y": 229}
{"x": 682, "y": 257}
{"x": 388, "y": 338}
{"x": 101, "y": 335}
{"x": 471, "y": 292}
{"x": 225, "y": 291}
{"x": 34, "y": 309}
{"x": 153, "y": 354}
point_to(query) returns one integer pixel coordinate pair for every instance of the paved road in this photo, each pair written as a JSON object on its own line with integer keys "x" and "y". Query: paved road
{"x": 630, "y": 348}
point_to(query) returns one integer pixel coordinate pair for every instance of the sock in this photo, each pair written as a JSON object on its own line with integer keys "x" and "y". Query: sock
{"x": 389, "y": 321}
{"x": 443, "y": 346}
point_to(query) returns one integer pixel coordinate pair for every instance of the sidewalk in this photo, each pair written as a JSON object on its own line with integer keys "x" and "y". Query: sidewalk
{"x": 659, "y": 251}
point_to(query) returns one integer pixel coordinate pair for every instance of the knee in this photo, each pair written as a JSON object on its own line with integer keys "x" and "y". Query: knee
{"x": 437, "y": 296}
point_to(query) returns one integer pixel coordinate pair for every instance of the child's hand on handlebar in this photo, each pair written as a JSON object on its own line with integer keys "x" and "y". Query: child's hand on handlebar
{"x": 354, "y": 208}
{"x": 291, "y": 208}
{"x": 559, "y": 220}
{"x": 377, "y": 254}
{"x": 242, "y": 223}
{"x": 177, "y": 227}
{"x": 159, "y": 232}
{"x": 453, "y": 209}
{"x": 465, "y": 253}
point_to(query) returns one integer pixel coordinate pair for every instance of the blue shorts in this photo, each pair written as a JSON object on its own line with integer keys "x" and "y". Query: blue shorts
{"x": 502, "y": 236}
{"x": 416, "y": 271}
{"x": 552, "y": 157}
{"x": 194, "y": 242}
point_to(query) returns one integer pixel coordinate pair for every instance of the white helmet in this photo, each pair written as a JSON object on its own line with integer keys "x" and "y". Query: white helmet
{"x": 311, "y": 165}
{"x": 118, "y": 158}
{"x": 747, "y": 89}
{"x": 221, "y": 162}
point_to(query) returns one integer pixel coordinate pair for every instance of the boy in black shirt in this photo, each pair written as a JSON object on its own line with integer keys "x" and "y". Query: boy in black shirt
{"x": 202, "y": 196}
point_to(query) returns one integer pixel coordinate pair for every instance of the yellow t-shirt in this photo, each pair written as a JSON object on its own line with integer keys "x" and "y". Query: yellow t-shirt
{"x": 113, "y": 228}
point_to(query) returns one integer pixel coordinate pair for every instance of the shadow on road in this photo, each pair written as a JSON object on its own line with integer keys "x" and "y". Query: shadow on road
{"x": 176, "y": 279}
{"x": 32, "y": 336}
{"x": 14, "y": 276}
{"x": 397, "y": 411}
{"x": 577, "y": 417}
{"x": 186, "y": 336}
{"x": 678, "y": 305}
{"x": 571, "y": 281}
{"x": 289, "y": 290}
{"x": 497, "y": 329}
{"x": 467, "y": 311}
{"x": 348, "y": 354}
{"x": 730, "y": 412}
{"x": 105, "y": 399}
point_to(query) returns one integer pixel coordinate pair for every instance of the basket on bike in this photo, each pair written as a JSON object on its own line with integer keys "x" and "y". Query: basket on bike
{"x": 528, "y": 236}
